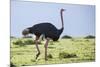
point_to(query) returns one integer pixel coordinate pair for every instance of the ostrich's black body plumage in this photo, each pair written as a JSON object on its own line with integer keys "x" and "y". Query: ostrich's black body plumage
{"x": 47, "y": 29}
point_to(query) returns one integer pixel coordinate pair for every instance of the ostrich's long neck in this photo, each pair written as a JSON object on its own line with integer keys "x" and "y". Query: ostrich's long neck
{"x": 61, "y": 12}
{"x": 61, "y": 30}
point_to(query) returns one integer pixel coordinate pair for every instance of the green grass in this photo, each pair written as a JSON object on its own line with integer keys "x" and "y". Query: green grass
{"x": 64, "y": 51}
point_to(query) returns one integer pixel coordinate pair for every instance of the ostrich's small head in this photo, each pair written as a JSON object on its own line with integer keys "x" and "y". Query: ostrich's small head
{"x": 25, "y": 32}
{"x": 62, "y": 9}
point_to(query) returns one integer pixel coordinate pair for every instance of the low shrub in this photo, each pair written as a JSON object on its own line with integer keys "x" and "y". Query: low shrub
{"x": 18, "y": 42}
{"x": 27, "y": 37}
{"x": 22, "y": 42}
{"x": 49, "y": 56}
{"x": 28, "y": 42}
{"x": 89, "y": 37}
{"x": 66, "y": 37}
{"x": 51, "y": 47}
{"x": 12, "y": 65}
{"x": 67, "y": 55}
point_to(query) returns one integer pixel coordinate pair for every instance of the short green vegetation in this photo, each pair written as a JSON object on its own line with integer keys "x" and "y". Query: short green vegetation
{"x": 23, "y": 51}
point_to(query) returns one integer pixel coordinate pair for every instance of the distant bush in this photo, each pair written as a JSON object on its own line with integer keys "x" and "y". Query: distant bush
{"x": 12, "y": 37}
{"x": 18, "y": 42}
{"x": 89, "y": 37}
{"x": 28, "y": 41}
{"x": 66, "y": 36}
{"x": 27, "y": 37}
{"x": 22, "y": 42}
{"x": 67, "y": 55}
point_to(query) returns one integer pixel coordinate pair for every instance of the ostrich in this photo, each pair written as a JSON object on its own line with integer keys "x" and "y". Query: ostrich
{"x": 46, "y": 29}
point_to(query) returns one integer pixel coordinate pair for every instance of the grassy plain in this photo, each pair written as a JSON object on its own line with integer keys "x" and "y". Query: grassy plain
{"x": 64, "y": 51}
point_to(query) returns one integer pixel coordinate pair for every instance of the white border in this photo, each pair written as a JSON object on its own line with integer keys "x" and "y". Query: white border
{"x": 5, "y": 33}
{"x": 89, "y": 2}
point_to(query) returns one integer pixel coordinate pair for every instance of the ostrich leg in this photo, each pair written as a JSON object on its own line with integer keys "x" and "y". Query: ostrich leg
{"x": 46, "y": 46}
{"x": 36, "y": 41}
